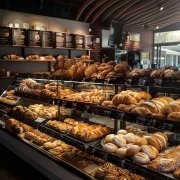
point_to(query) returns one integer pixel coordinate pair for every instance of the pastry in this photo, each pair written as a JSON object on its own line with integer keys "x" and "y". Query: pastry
{"x": 136, "y": 177}
{"x": 141, "y": 158}
{"x": 124, "y": 178}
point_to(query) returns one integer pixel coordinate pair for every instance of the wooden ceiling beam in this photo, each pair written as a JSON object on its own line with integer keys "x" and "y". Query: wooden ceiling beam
{"x": 95, "y": 6}
{"x": 114, "y": 8}
{"x": 153, "y": 14}
{"x": 83, "y": 7}
{"x": 124, "y": 8}
{"x": 145, "y": 11}
{"x": 103, "y": 8}
{"x": 134, "y": 8}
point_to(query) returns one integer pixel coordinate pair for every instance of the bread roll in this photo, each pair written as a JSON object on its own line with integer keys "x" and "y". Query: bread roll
{"x": 121, "y": 152}
{"x": 119, "y": 141}
{"x": 176, "y": 173}
{"x": 122, "y": 131}
{"x": 140, "y": 141}
{"x": 151, "y": 151}
{"x": 153, "y": 142}
{"x": 110, "y": 148}
{"x": 132, "y": 150}
{"x": 129, "y": 137}
{"x": 141, "y": 158}
{"x": 109, "y": 138}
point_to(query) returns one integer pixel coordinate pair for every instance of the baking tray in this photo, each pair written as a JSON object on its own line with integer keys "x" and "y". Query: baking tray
{"x": 79, "y": 138}
{"x": 126, "y": 163}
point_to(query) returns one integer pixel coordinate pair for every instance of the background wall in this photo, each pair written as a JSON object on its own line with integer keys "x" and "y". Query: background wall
{"x": 53, "y": 24}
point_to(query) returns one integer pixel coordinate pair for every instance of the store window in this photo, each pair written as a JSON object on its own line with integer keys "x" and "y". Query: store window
{"x": 167, "y": 48}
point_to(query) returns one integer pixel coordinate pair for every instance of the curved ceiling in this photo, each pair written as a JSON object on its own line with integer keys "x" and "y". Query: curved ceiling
{"x": 133, "y": 12}
{"x": 145, "y": 13}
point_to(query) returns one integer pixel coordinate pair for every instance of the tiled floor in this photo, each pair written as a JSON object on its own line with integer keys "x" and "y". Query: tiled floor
{"x": 13, "y": 168}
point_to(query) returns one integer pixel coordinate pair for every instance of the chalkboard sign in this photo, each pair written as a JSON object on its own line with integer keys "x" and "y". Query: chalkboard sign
{"x": 79, "y": 41}
{"x": 69, "y": 41}
{"x": 88, "y": 42}
{"x": 34, "y": 38}
{"x": 60, "y": 40}
{"x": 47, "y": 39}
{"x": 19, "y": 37}
{"x": 4, "y": 36}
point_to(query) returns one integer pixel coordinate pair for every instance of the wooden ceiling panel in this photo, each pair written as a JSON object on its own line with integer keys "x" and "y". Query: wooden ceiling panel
{"x": 83, "y": 7}
{"x": 103, "y": 8}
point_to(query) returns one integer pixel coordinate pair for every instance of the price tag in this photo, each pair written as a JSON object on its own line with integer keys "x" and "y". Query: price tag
{"x": 166, "y": 126}
{"x": 142, "y": 82}
{"x": 107, "y": 112}
{"x": 105, "y": 157}
{"x": 39, "y": 120}
{"x": 74, "y": 104}
{"x": 152, "y": 122}
{"x": 142, "y": 120}
{"x": 120, "y": 115}
{"x": 158, "y": 82}
{"x": 86, "y": 108}
{"x": 64, "y": 103}
{"x": 128, "y": 81}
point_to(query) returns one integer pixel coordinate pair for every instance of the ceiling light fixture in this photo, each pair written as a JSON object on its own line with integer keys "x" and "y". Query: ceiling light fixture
{"x": 157, "y": 27}
{"x": 161, "y": 8}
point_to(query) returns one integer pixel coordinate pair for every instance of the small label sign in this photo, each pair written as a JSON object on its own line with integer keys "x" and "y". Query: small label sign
{"x": 141, "y": 120}
{"x": 39, "y": 120}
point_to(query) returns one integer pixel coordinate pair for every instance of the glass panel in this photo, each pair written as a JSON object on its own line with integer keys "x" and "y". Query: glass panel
{"x": 164, "y": 37}
{"x": 155, "y": 55}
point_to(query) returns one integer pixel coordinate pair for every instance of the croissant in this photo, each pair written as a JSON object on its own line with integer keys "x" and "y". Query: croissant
{"x": 174, "y": 116}
{"x": 141, "y": 111}
{"x": 124, "y": 99}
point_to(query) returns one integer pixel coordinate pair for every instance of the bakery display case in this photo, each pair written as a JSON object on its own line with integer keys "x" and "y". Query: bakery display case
{"x": 53, "y": 117}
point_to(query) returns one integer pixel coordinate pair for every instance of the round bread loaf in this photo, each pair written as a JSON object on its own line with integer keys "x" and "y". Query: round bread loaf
{"x": 129, "y": 137}
{"x": 109, "y": 138}
{"x": 151, "y": 151}
{"x": 132, "y": 150}
{"x": 176, "y": 173}
{"x": 122, "y": 131}
{"x": 141, "y": 158}
{"x": 121, "y": 152}
{"x": 119, "y": 141}
{"x": 140, "y": 141}
{"x": 110, "y": 148}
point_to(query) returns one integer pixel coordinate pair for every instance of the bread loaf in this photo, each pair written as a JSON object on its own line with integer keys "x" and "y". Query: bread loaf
{"x": 110, "y": 148}
{"x": 151, "y": 151}
{"x": 141, "y": 158}
{"x": 133, "y": 149}
{"x": 121, "y": 152}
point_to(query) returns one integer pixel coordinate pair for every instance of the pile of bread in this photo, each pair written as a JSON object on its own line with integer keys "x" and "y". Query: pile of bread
{"x": 29, "y": 86}
{"x": 107, "y": 88}
{"x": 140, "y": 72}
{"x": 9, "y": 99}
{"x": 32, "y": 112}
{"x": 125, "y": 100}
{"x": 160, "y": 107}
{"x": 17, "y": 126}
{"x": 29, "y": 57}
{"x": 81, "y": 159}
{"x": 111, "y": 172}
{"x": 75, "y": 68}
{"x": 142, "y": 149}
{"x": 167, "y": 72}
{"x": 80, "y": 129}
{"x": 167, "y": 162}
{"x": 95, "y": 96}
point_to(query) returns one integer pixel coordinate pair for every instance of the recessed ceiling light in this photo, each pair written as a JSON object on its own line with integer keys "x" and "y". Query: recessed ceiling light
{"x": 161, "y": 8}
{"x": 157, "y": 27}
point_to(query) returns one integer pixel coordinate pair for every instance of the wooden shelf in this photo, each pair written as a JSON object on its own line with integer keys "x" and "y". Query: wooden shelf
{"x": 25, "y": 60}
